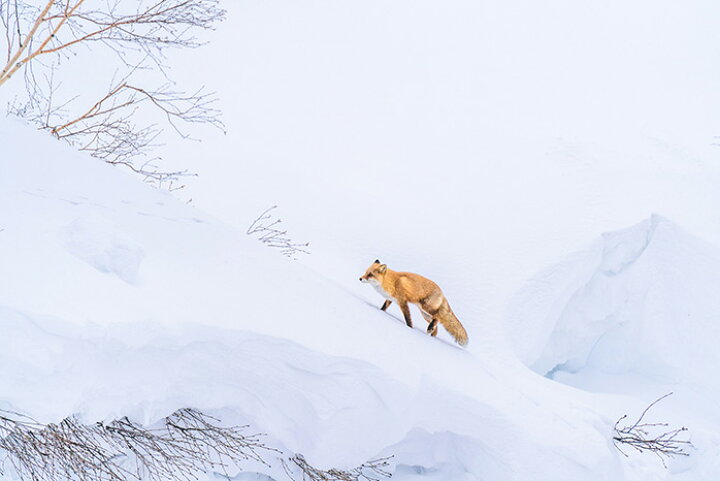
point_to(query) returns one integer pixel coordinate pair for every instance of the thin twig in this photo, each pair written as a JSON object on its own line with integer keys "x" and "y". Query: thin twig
{"x": 373, "y": 470}
{"x": 651, "y": 437}
{"x": 265, "y": 227}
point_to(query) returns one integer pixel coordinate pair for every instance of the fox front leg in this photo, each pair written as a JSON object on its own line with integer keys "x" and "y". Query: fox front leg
{"x": 385, "y": 305}
{"x": 406, "y": 313}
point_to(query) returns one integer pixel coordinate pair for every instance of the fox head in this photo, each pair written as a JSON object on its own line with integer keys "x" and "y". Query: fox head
{"x": 375, "y": 273}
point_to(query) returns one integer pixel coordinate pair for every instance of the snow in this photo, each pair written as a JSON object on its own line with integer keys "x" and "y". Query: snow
{"x": 95, "y": 241}
{"x": 239, "y": 329}
{"x": 632, "y": 314}
{"x": 117, "y": 299}
{"x": 635, "y": 309}
{"x": 568, "y": 218}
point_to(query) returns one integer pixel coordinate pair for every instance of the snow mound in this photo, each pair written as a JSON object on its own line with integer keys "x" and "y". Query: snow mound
{"x": 640, "y": 300}
{"x": 634, "y": 314}
{"x": 147, "y": 372}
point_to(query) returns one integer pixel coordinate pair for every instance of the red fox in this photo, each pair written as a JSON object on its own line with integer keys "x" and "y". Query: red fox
{"x": 404, "y": 287}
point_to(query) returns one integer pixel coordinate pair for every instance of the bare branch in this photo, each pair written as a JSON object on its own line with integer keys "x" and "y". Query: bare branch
{"x": 265, "y": 227}
{"x": 150, "y": 27}
{"x": 187, "y": 442}
{"x": 138, "y": 32}
{"x": 13, "y": 65}
{"x": 651, "y": 437}
{"x": 373, "y": 470}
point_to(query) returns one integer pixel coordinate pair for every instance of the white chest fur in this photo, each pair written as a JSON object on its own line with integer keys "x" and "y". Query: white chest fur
{"x": 380, "y": 290}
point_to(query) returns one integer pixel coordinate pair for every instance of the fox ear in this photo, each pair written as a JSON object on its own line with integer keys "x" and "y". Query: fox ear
{"x": 382, "y": 268}
{"x": 377, "y": 261}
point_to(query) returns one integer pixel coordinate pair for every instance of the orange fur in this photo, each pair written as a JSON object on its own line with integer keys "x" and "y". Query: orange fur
{"x": 406, "y": 287}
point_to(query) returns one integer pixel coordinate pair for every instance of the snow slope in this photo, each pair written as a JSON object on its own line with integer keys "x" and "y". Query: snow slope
{"x": 474, "y": 141}
{"x": 477, "y": 144}
{"x": 634, "y": 313}
{"x": 117, "y": 299}
{"x": 646, "y": 291}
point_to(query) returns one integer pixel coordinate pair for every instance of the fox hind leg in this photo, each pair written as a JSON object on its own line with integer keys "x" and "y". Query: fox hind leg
{"x": 385, "y": 305}
{"x": 432, "y": 328}
{"x": 432, "y": 323}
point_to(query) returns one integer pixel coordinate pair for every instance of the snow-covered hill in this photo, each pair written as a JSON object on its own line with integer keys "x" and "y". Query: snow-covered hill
{"x": 474, "y": 141}
{"x": 477, "y": 143}
{"x": 635, "y": 313}
{"x": 117, "y": 299}
{"x": 638, "y": 299}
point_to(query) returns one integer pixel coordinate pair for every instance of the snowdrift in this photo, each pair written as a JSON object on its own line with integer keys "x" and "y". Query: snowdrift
{"x": 640, "y": 300}
{"x": 117, "y": 299}
{"x": 634, "y": 314}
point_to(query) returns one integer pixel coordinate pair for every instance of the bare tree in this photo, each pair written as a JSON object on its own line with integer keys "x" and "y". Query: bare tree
{"x": 266, "y": 228}
{"x": 651, "y": 437}
{"x": 39, "y": 40}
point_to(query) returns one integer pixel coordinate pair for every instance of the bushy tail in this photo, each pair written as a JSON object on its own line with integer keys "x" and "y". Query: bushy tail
{"x": 448, "y": 319}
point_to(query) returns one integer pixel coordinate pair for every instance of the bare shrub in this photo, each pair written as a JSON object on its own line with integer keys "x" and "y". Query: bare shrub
{"x": 373, "y": 470}
{"x": 38, "y": 40}
{"x": 651, "y": 437}
{"x": 186, "y": 443}
{"x": 266, "y": 228}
